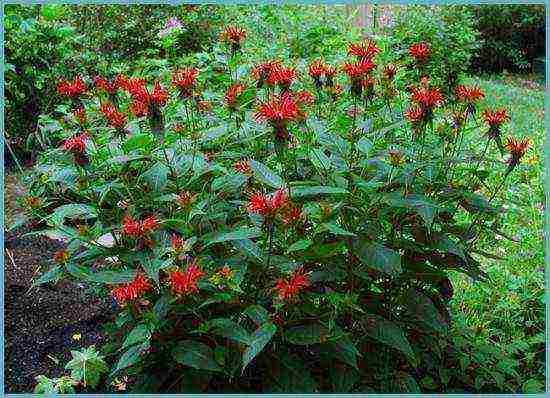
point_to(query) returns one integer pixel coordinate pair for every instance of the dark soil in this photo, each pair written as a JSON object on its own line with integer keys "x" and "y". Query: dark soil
{"x": 42, "y": 324}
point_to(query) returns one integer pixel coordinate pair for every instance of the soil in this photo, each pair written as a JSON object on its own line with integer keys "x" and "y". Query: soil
{"x": 42, "y": 325}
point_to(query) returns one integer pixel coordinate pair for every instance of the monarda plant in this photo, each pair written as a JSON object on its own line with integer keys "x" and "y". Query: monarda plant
{"x": 291, "y": 233}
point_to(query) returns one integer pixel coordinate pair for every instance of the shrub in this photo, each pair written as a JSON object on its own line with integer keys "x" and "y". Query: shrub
{"x": 449, "y": 30}
{"x": 512, "y": 36}
{"x": 266, "y": 230}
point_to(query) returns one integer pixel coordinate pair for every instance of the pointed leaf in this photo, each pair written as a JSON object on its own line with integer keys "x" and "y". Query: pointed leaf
{"x": 196, "y": 355}
{"x": 261, "y": 337}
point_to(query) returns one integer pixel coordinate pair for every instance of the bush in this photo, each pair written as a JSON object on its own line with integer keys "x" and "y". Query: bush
{"x": 512, "y": 36}
{"x": 258, "y": 237}
{"x": 451, "y": 32}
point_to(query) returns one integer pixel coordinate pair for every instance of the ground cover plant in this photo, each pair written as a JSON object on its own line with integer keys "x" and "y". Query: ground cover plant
{"x": 270, "y": 228}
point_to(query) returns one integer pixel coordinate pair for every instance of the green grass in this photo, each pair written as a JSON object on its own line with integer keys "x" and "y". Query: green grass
{"x": 504, "y": 317}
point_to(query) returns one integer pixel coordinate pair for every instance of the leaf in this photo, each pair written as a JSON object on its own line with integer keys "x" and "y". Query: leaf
{"x": 304, "y": 191}
{"x": 88, "y": 366}
{"x": 377, "y": 256}
{"x": 231, "y": 183}
{"x": 196, "y": 355}
{"x": 52, "y": 275}
{"x": 293, "y": 376}
{"x": 257, "y": 314}
{"x": 319, "y": 159}
{"x": 153, "y": 265}
{"x": 130, "y": 357}
{"x": 345, "y": 350}
{"x": 420, "y": 204}
{"x": 266, "y": 176}
{"x": 388, "y": 333}
{"x": 236, "y": 234}
{"x": 422, "y": 308}
{"x": 300, "y": 245}
{"x": 138, "y": 141}
{"x": 261, "y": 337}
{"x": 250, "y": 248}
{"x": 138, "y": 334}
{"x": 214, "y": 133}
{"x": 364, "y": 145}
{"x": 404, "y": 382}
{"x": 229, "y": 329}
{"x": 157, "y": 176}
{"x": 312, "y": 333}
{"x": 106, "y": 277}
{"x": 336, "y": 230}
{"x": 73, "y": 211}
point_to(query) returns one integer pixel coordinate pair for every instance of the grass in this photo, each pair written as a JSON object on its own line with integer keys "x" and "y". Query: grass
{"x": 504, "y": 318}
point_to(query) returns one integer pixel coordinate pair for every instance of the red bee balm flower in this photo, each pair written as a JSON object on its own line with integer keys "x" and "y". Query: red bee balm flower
{"x": 185, "y": 282}
{"x": 133, "y": 290}
{"x": 305, "y": 97}
{"x": 517, "y": 149}
{"x": 358, "y": 69}
{"x": 262, "y": 71}
{"x": 317, "y": 69}
{"x": 288, "y": 289}
{"x": 185, "y": 80}
{"x": 176, "y": 242}
{"x": 469, "y": 94}
{"x": 76, "y": 144}
{"x": 159, "y": 95}
{"x": 243, "y": 166}
{"x": 72, "y": 89}
{"x": 495, "y": 118}
{"x": 233, "y": 35}
{"x": 232, "y": 93}
{"x": 415, "y": 115}
{"x": 389, "y": 71}
{"x": 136, "y": 228}
{"x": 428, "y": 98}
{"x": 115, "y": 118}
{"x": 279, "y": 109}
{"x": 420, "y": 51}
{"x": 363, "y": 50}
{"x": 105, "y": 85}
{"x": 281, "y": 76}
{"x": 61, "y": 256}
{"x": 268, "y": 206}
{"x": 292, "y": 214}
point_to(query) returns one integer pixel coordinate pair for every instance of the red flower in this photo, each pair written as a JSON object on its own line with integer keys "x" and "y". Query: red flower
{"x": 317, "y": 69}
{"x": 389, "y": 71}
{"x": 139, "y": 109}
{"x": 495, "y": 118}
{"x": 133, "y": 290}
{"x": 263, "y": 70}
{"x": 243, "y": 166}
{"x": 469, "y": 94}
{"x": 135, "y": 228}
{"x": 72, "y": 89}
{"x": 291, "y": 214}
{"x": 233, "y": 35}
{"x": 420, "y": 51}
{"x": 139, "y": 92}
{"x": 288, "y": 289}
{"x": 185, "y": 80}
{"x": 115, "y": 118}
{"x": 159, "y": 96}
{"x": 76, "y": 144}
{"x": 176, "y": 242}
{"x": 517, "y": 149}
{"x": 359, "y": 69}
{"x": 61, "y": 256}
{"x": 268, "y": 206}
{"x": 232, "y": 93}
{"x": 279, "y": 109}
{"x": 415, "y": 114}
{"x": 281, "y": 76}
{"x": 185, "y": 282}
{"x": 363, "y": 50}
{"x": 304, "y": 97}
{"x": 107, "y": 86}
{"x": 80, "y": 115}
{"x": 122, "y": 82}
{"x": 428, "y": 98}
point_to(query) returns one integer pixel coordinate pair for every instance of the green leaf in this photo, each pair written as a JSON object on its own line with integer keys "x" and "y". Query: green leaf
{"x": 422, "y": 205}
{"x": 293, "y": 376}
{"x": 52, "y": 275}
{"x": 336, "y": 230}
{"x": 236, "y": 234}
{"x": 319, "y": 159}
{"x": 388, "y": 333}
{"x": 533, "y": 386}
{"x": 87, "y": 366}
{"x": 139, "y": 141}
{"x": 157, "y": 176}
{"x": 261, "y": 337}
{"x": 300, "y": 245}
{"x": 377, "y": 256}
{"x": 196, "y": 355}
{"x": 105, "y": 277}
{"x": 250, "y": 248}
{"x": 153, "y": 265}
{"x": 312, "y": 333}
{"x": 138, "y": 334}
{"x": 73, "y": 211}
{"x": 423, "y": 309}
{"x": 266, "y": 176}
{"x": 257, "y": 314}
{"x": 130, "y": 357}
{"x": 62, "y": 385}
{"x": 230, "y": 183}
{"x": 229, "y": 329}
{"x": 304, "y": 191}
{"x": 364, "y": 146}
{"x": 345, "y": 350}
{"x": 404, "y": 382}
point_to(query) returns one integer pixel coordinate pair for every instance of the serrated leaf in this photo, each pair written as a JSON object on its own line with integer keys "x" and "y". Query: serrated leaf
{"x": 196, "y": 355}
{"x": 130, "y": 357}
{"x": 88, "y": 366}
{"x": 336, "y": 230}
{"x": 73, "y": 211}
{"x": 423, "y": 309}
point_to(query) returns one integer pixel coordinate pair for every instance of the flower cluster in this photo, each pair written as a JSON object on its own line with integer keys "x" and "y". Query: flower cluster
{"x": 287, "y": 289}
{"x": 115, "y": 118}
{"x": 185, "y": 282}
{"x": 364, "y": 50}
{"x": 517, "y": 149}
{"x": 232, "y": 95}
{"x": 132, "y": 290}
{"x": 234, "y": 36}
{"x": 281, "y": 76}
{"x": 243, "y": 166}
{"x": 72, "y": 89}
{"x": 278, "y": 111}
{"x": 268, "y": 206}
{"x": 110, "y": 87}
{"x": 420, "y": 52}
{"x": 135, "y": 228}
{"x": 185, "y": 80}
{"x": 76, "y": 144}
{"x": 495, "y": 119}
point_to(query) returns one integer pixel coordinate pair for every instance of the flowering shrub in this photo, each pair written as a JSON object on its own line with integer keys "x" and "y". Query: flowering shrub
{"x": 288, "y": 230}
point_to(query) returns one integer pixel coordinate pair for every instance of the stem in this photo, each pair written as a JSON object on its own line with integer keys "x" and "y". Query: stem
{"x": 270, "y": 247}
